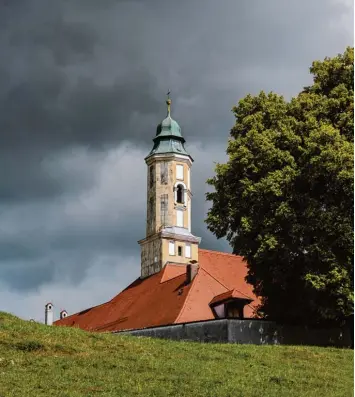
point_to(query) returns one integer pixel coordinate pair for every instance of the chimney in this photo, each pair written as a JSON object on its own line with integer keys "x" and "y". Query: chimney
{"x": 63, "y": 314}
{"x": 191, "y": 271}
{"x": 48, "y": 314}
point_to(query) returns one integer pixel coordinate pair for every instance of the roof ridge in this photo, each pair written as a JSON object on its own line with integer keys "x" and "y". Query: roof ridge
{"x": 214, "y": 278}
{"x": 81, "y": 311}
{"x": 228, "y": 289}
{"x": 172, "y": 278}
{"x": 186, "y": 299}
{"x": 165, "y": 269}
{"x": 220, "y": 252}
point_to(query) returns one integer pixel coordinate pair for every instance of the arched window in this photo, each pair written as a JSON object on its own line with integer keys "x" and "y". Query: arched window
{"x": 180, "y": 194}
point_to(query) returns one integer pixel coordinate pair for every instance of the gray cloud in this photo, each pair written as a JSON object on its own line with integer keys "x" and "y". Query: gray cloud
{"x": 66, "y": 235}
{"x": 82, "y": 88}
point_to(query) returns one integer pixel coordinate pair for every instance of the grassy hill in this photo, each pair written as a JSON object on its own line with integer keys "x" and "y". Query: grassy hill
{"x": 36, "y": 360}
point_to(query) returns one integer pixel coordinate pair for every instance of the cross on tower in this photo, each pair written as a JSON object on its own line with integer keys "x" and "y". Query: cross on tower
{"x": 168, "y": 101}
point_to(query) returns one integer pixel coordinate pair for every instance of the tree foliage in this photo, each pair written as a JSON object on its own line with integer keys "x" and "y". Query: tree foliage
{"x": 284, "y": 199}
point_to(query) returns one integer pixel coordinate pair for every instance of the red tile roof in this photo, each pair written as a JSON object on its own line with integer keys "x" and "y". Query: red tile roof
{"x": 231, "y": 294}
{"x": 171, "y": 271}
{"x": 164, "y": 298}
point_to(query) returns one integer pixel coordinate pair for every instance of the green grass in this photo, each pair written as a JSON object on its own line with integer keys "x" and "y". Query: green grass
{"x": 36, "y": 360}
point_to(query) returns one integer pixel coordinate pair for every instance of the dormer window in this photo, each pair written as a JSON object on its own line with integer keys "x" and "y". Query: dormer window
{"x": 229, "y": 304}
{"x": 234, "y": 309}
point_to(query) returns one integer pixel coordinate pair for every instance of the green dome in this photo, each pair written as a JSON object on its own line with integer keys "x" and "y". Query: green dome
{"x": 168, "y": 138}
{"x": 169, "y": 127}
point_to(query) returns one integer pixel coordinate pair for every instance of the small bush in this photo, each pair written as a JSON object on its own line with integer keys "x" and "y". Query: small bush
{"x": 29, "y": 346}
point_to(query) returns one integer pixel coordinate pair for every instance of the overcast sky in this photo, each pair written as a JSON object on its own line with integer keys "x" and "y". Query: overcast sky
{"x": 82, "y": 88}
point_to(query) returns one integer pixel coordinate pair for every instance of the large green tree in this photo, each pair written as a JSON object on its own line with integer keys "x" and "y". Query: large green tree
{"x": 284, "y": 199}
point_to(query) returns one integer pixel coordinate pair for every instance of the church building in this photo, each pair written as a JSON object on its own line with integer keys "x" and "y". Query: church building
{"x": 179, "y": 282}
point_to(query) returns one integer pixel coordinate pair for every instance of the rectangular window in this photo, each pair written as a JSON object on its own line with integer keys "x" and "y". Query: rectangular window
{"x": 151, "y": 175}
{"x": 180, "y": 218}
{"x": 164, "y": 209}
{"x": 164, "y": 173}
{"x": 180, "y": 172}
{"x": 188, "y": 250}
{"x": 171, "y": 248}
{"x": 179, "y": 250}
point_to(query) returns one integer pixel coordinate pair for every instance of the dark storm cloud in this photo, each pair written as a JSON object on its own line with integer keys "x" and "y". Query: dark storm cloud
{"x": 95, "y": 73}
{"x": 22, "y": 276}
{"x": 52, "y": 88}
{"x": 82, "y": 88}
{"x": 47, "y": 114}
{"x": 74, "y": 73}
{"x": 68, "y": 234}
{"x": 53, "y": 92}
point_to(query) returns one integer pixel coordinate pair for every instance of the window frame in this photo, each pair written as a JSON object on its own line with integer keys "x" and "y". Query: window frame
{"x": 179, "y": 213}
{"x": 172, "y": 244}
{"x": 180, "y": 190}
{"x": 180, "y": 173}
{"x": 184, "y": 192}
{"x": 187, "y": 250}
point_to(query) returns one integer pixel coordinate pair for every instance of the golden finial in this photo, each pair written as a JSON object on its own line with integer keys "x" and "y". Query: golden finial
{"x": 168, "y": 102}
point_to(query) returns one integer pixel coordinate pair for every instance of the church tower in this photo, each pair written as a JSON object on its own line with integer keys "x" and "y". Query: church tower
{"x": 168, "y": 229}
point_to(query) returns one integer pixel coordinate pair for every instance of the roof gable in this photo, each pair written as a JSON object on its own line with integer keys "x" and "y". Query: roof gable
{"x": 171, "y": 271}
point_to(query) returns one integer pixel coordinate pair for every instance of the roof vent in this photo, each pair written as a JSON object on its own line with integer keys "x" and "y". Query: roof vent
{"x": 63, "y": 314}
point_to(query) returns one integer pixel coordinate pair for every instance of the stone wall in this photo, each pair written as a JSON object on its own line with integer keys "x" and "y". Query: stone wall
{"x": 151, "y": 257}
{"x": 248, "y": 332}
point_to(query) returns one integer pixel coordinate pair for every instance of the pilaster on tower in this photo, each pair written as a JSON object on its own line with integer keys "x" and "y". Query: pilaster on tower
{"x": 168, "y": 227}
